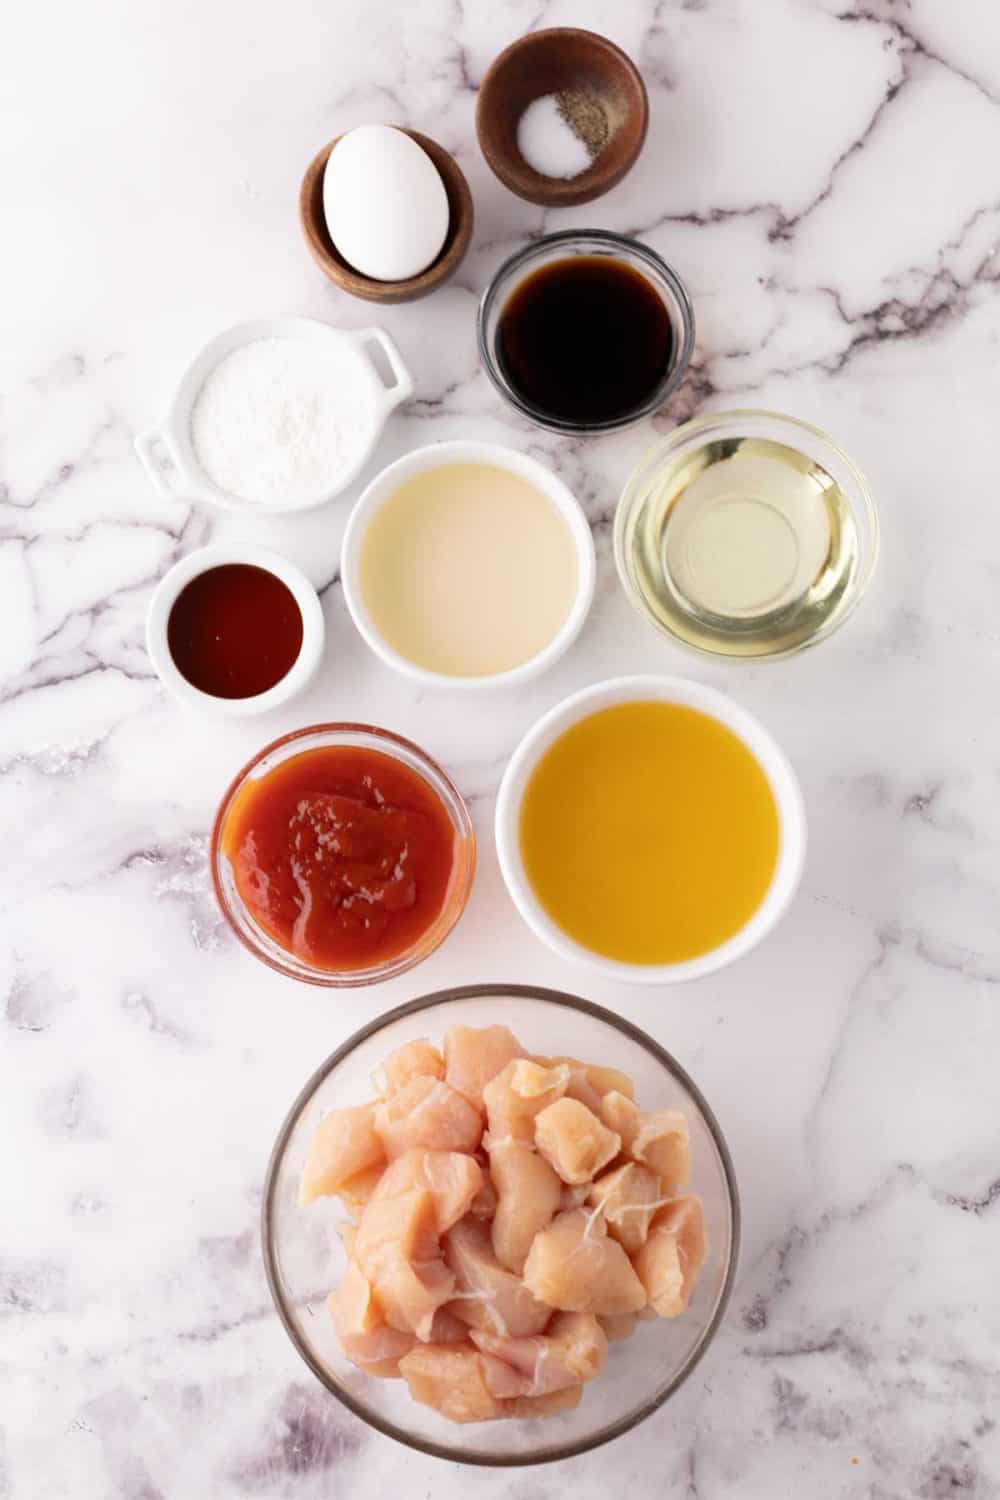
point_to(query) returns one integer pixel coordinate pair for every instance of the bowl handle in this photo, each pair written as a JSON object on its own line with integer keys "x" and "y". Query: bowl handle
{"x": 153, "y": 447}
{"x": 392, "y": 395}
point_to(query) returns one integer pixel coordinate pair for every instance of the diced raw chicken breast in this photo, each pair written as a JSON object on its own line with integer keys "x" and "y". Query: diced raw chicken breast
{"x": 579, "y": 1085}
{"x": 602, "y": 1080}
{"x": 573, "y": 1194}
{"x": 411, "y": 1295}
{"x": 418, "y": 1059}
{"x": 627, "y": 1198}
{"x": 447, "y": 1329}
{"x": 345, "y": 1143}
{"x": 619, "y": 1327}
{"x": 450, "y": 1379}
{"x": 544, "y": 1406}
{"x": 622, "y": 1116}
{"x": 663, "y": 1144}
{"x": 474, "y": 1056}
{"x": 502, "y": 1379}
{"x": 364, "y": 1335}
{"x": 451, "y": 1177}
{"x": 357, "y": 1190}
{"x": 574, "y": 1266}
{"x": 489, "y": 1296}
{"x": 675, "y": 1250}
{"x": 570, "y": 1352}
{"x": 528, "y": 1193}
{"x": 403, "y": 1227}
{"x": 518, "y": 1093}
{"x": 574, "y": 1141}
{"x": 426, "y": 1112}
{"x": 353, "y": 1307}
{"x": 484, "y": 1204}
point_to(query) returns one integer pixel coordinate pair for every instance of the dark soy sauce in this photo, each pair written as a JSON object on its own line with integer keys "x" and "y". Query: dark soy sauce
{"x": 586, "y": 339}
{"x": 235, "y": 631}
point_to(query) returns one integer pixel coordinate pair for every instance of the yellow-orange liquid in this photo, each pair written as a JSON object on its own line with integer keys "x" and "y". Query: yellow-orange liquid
{"x": 649, "y": 833}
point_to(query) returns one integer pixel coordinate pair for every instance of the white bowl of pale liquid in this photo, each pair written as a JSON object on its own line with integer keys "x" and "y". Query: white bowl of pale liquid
{"x": 746, "y": 534}
{"x": 468, "y": 565}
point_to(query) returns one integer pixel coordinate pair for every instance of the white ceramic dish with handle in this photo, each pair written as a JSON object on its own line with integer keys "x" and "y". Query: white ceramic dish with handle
{"x": 167, "y": 452}
{"x": 766, "y": 751}
{"x": 172, "y": 584}
{"x": 469, "y": 451}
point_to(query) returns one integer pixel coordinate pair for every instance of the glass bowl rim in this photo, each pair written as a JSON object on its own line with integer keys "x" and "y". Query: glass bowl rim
{"x": 861, "y": 499}
{"x": 630, "y": 245}
{"x": 349, "y": 978}
{"x": 667, "y": 1061}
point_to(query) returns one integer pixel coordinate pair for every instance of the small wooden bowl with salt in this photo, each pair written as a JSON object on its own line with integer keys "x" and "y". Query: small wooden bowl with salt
{"x": 561, "y": 116}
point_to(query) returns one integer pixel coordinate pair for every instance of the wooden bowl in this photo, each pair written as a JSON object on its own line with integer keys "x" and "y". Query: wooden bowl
{"x": 333, "y": 264}
{"x": 548, "y": 62}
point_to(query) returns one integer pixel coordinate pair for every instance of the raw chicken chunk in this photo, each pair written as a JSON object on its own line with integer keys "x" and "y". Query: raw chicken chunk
{"x": 570, "y": 1352}
{"x": 484, "y": 1204}
{"x": 403, "y": 1227}
{"x": 602, "y": 1080}
{"x": 357, "y": 1190}
{"x": 447, "y": 1329}
{"x": 528, "y": 1193}
{"x": 488, "y": 1296}
{"x": 622, "y": 1116}
{"x": 675, "y": 1251}
{"x": 364, "y": 1335}
{"x": 451, "y": 1380}
{"x": 418, "y": 1059}
{"x": 574, "y": 1141}
{"x": 544, "y": 1406}
{"x": 345, "y": 1143}
{"x": 490, "y": 1267}
{"x": 451, "y": 1177}
{"x": 663, "y": 1144}
{"x": 627, "y": 1198}
{"x": 574, "y": 1266}
{"x": 412, "y": 1295}
{"x": 579, "y": 1085}
{"x": 475, "y": 1056}
{"x": 518, "y": 1093}
{"x": 618, "y": 1327}
{"x": 426, "y": 1112}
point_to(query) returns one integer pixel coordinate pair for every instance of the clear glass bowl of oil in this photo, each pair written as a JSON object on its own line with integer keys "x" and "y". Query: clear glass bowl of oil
{"x": 746, "y": 534}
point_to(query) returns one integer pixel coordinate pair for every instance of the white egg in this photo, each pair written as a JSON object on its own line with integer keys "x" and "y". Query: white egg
{"x": 384, "y": 202}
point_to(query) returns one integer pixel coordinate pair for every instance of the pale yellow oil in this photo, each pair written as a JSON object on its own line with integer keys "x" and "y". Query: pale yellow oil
{"x": 745, "y": 547}
{"x": 649, "y": 833}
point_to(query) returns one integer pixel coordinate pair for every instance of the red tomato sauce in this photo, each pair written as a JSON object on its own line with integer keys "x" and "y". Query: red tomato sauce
{"x": 342, "y": 854}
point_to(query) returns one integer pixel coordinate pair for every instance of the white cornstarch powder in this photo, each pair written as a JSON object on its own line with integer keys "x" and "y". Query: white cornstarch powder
{"x": 279, "y": 419}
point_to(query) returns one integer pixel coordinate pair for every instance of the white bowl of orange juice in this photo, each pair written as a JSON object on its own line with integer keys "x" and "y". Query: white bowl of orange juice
{"x": 650, "y": 828}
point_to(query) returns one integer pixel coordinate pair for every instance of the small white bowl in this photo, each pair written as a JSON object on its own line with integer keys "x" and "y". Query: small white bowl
{"x": 772, "y": 760}
{"x": 464, "y": 451}
{"x": 167, "y": 453}
{"x": 297, "y": 677}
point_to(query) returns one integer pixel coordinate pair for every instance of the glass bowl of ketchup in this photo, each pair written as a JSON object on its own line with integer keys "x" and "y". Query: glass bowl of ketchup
{"x": 342, "y": 855}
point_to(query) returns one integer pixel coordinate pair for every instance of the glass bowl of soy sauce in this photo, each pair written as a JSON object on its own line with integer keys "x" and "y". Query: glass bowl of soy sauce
{"x": 586, "y": 331}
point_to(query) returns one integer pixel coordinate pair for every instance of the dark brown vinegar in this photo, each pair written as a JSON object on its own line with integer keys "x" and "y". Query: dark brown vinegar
{"x": 586, "y": 339}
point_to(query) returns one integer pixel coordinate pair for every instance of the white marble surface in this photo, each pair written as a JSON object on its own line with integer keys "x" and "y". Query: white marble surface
{"x": 824, "y": 175}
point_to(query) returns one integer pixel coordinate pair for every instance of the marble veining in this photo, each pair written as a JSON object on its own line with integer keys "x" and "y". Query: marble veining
{"x": 823, "y": 175}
